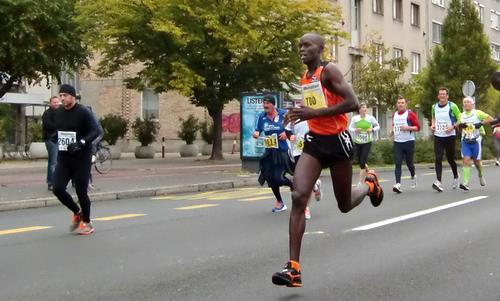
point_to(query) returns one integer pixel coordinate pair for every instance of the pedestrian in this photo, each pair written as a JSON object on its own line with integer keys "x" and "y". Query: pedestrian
{"x": 404, "y": 126}
{"x": 327, "y": 98}
{"x": 76, "y": 129}
{"x": 275, "y": 161}
{"x": 445, "y": 119}
{"x": 363, "y": 126}
{"x": 296, "y": 133}
{"x": 471, "y": 121}
{"x": 49, "y": 133}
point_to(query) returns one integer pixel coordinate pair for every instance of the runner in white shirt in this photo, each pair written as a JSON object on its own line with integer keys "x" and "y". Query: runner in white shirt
{"x": 362, "y": 127}
{"x": 297, "y": 133}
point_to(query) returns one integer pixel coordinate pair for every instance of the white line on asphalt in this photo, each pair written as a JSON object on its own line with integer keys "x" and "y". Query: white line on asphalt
{"x": 416, "y": 214}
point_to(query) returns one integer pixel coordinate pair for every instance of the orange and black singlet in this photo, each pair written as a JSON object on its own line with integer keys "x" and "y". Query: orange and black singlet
{"x": 316, "y": 96}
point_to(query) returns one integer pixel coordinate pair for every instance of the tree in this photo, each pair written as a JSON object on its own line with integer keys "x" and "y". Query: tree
{"x": 464, "y": 54}
{"x": 39, "y": 39}
{"x": 378, "y": 81}
{"x": 209, "y": 50}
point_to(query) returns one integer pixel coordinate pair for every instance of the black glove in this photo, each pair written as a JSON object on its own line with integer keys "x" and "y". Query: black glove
{"x": 76, "y": 147}
{"x": 478, "y": 125}
{"x": 462, "y": 125}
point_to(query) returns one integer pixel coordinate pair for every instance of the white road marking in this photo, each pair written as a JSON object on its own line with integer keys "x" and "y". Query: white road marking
{"x": 416, "y": 214}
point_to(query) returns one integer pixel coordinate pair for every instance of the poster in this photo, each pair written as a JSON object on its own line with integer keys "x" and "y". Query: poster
{"x": 251, "y": 107}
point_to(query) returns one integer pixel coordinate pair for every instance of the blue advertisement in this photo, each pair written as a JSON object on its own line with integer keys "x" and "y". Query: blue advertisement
{"x": 251, "y": 107}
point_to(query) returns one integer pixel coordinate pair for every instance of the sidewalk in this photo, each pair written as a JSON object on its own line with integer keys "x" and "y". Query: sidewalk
{"x": 23, "y": 182}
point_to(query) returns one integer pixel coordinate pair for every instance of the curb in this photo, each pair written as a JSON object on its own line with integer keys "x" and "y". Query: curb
{"x": 128, "y": 194}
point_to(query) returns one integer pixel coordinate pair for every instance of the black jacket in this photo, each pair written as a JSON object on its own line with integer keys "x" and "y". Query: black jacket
{"x": 49, "y": 124}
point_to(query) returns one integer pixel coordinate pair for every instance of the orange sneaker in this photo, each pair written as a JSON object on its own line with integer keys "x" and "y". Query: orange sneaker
{"x": 375, "y": 193}
{"x": 75, "y": 221}
{"x": 86, "y": 228}
{"x": 290, "y": 275}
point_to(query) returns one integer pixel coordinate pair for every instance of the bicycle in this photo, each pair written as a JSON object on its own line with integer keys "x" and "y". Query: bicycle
{"x": 103, "y": 161}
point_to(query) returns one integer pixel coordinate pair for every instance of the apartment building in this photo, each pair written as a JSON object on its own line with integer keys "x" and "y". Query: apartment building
{"x": 489, "y": 14}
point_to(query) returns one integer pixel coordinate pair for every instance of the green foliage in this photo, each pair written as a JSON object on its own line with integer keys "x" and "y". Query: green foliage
{"x": 424, "y": 151}
{"x": 209, "y": 50}
{"x": 145, "y": 131}
{"x": 379, "y": 83}
{"x": 464, "y": 54}
{"x": 189, "y": 128}
{"x": 40, "y": 38}
{"x": 7, "y": 121}
{"x": 207, "y": 131}
{"x": 35, "y": 131}
{"x": 381, "y": 152}
{"x": 115, "y": 127}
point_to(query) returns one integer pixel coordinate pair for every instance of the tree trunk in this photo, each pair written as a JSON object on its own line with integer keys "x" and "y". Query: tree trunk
{"x": 217, "y": 143}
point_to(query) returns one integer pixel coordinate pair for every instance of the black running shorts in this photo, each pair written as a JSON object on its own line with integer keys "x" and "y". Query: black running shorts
{"x": 329, "y": 149}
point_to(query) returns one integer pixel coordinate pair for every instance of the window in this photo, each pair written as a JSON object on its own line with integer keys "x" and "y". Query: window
{"x": 397, "y": 53}
{"x": 378, "y": 6}
{"x": 415, "y": 63}
{"x": 397, "y": 10}
{"x": 436, "y": 32}
{"x": 150, "y": 104}
{"x": 415, "y": 14}
{"x": 438, "y": 2}
{"x": 495, "y": 51}
{"x": 480, "y": 11}
{"x": 495, "y": 20}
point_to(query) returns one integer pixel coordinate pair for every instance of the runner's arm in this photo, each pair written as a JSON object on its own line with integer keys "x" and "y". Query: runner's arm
{"x": 333, "y": 80}
{"x": 412, "y": 117}
{"x": 455, "y": 111}
{"x": 352, "y": 126}
{"x": 375, "y": 125}
{"x": 93, "y": 128}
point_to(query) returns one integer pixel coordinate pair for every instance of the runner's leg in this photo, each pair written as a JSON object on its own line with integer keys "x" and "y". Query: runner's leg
{"x": 81, "y": 178}
{"x": 410, "y": 149}
{"x": 307, "y": 171}
{"x": 438, "y": 156}
{"x": 62, "y": 175}
{"x": 398, "y": 160}
{"x": 450, "y": 155}
{"x": 347, "y": 198}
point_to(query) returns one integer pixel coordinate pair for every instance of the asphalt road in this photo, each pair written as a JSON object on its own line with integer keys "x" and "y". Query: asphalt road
{"x": 420, "y": 245}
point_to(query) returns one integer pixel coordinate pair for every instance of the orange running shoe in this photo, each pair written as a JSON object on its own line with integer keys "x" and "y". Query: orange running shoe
{"x": 75, "y": 221}
{"x": 376, "y": 193}
{"x": 290, "y": 275}
{"x": 86, "y": 228}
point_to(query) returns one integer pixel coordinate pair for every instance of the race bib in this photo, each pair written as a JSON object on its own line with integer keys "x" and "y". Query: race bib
{"x": 470, "y": 133}
{"x": 313, "y": 95}
{"x": 271, "y": 141}
{"x": 300, "y": 144}
{"x": 441, "y": 127}
{"x": 397, "y": 128}
{"x": 64, "y": 139}
{"x": 363, "y": 137}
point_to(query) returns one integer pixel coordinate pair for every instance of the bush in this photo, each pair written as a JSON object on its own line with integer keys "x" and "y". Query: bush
{"x": 424, "y": 151}
{"x": 207, "y": 132}
{"x": 115, "y": 127}
{"x": 144, "y": 131}
{"x": 35, "y": 131}
{"x": 188, "y": 130}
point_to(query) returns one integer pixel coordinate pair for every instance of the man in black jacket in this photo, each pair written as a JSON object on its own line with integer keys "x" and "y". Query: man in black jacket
{"x": 76, "y": 129}
{"x": 49, "y": 133}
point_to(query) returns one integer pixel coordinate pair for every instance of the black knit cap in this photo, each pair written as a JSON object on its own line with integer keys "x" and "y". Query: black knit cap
{"x": 270, "y": 99}
{"x": 68, "y": 89}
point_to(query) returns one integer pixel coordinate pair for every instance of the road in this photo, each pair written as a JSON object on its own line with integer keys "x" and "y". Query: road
{"x": 225, "y": 245}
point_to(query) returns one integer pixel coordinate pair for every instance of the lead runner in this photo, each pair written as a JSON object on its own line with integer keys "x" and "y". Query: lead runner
{"x": 327, "y": 99}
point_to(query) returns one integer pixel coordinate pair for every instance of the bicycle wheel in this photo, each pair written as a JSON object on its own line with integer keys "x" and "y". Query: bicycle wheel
{"x": 103, "y": 161}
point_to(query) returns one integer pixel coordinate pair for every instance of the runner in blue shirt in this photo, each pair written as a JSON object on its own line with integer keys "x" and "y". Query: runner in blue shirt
{"x": 275, "y": 162}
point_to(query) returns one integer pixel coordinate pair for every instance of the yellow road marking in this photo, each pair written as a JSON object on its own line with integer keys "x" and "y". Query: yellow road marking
{"x": 115, "y": 217}
{"x": 197, "y": 207}
{"x": 186, "y": 197}
{"x": 256, "y": 199}
{"x": 22, "y": 230}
